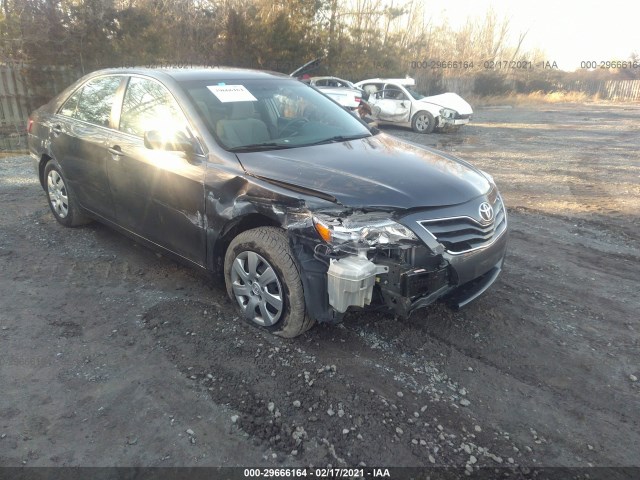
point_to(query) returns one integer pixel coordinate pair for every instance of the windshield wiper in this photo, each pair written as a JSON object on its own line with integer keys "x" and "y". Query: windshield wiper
{"x": 340, "y": 138}
{"x": 254, "y": 147}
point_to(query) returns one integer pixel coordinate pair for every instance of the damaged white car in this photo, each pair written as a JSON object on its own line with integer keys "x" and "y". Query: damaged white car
{"x": 393, "y": 101}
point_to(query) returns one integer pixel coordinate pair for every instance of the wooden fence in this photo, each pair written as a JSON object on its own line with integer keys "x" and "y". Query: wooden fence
{"x": 23, "y": 88}
{"x": 606, "y": 89}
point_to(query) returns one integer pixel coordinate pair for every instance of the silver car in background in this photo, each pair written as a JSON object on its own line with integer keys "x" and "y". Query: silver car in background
{"x": 342, "y": 91}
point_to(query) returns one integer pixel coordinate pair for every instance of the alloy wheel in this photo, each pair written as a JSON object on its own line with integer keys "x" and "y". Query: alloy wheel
{"x": 58, "y": 195}
{"x": 422, "y": 123}
{"x": 257, "y": 288}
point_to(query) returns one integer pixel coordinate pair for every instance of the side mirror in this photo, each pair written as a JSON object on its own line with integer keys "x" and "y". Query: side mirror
{"x": 178, "y": 142}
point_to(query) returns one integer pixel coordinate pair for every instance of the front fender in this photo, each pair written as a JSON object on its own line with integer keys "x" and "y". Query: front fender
{"x": 432, "y": 108}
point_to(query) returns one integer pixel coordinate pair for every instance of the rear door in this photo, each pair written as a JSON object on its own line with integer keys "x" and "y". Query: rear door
{"x": 79, "y": 134}
{"x": 158, "y": 194}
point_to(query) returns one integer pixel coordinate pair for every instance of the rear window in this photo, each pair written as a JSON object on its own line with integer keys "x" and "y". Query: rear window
{"x": 92, "y": 103}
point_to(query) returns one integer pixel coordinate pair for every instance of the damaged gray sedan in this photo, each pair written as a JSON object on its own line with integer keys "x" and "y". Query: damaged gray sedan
{"x": 305, "y": 210}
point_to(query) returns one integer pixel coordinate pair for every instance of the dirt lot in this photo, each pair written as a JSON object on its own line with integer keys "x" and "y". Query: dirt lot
{"x": 113, "y": 355}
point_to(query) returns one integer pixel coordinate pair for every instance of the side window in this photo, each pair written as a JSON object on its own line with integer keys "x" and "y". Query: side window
{"x": 70, "y": 107}
{"x": 321, "y": 83}
{"x": 149, "y": 106}
{"x": 394, "y": 93}
{"x": 96, "y": 100}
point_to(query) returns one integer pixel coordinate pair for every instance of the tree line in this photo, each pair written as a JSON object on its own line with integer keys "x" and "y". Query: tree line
{"x": 356, "y": 39}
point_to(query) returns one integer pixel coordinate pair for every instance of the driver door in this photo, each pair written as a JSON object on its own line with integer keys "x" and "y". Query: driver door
{"x": 158, "y": 193}
{"x": 394, "y": 105}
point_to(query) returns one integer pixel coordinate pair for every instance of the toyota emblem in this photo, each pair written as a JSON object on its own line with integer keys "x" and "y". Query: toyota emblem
{"x": 486, "y": 212}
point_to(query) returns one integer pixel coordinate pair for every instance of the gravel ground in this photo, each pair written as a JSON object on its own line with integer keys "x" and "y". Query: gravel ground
{"x": 112, "y": 355}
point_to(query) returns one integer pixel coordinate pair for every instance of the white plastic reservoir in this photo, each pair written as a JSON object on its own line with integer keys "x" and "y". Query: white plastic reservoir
{"x": 351, "y": 280}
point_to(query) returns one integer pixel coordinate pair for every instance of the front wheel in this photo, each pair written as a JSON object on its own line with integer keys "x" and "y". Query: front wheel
{"x": 263, "y": 279}
{"x": 61, "y": 201}
{"x": 423, "y": 122}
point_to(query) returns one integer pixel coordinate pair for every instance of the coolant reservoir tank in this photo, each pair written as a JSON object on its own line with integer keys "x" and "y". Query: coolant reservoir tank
{"x": 350, "y": 281}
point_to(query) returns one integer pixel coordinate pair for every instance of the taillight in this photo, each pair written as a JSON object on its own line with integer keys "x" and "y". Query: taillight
{"x": 29, "y": 125}
{"x": 358, "y": 99}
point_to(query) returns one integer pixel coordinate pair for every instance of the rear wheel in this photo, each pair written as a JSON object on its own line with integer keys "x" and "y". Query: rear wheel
{"x": 423, "y": 122}
{"x": 61, "y": 201}
{"x": 262, "y": 278}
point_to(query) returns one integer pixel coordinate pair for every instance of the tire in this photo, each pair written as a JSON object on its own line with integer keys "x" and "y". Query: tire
{"x": 278, "y": 305}
{"x": 423, "y": 122}
{"x": 61, "y": 200}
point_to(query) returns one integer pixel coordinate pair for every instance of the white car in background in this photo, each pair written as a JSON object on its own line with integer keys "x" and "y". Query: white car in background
{"x": 393, "y": 101}
{"x": 342, "y": 91}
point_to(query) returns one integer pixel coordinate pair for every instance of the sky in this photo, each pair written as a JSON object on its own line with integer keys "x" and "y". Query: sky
{"x": 569, "y": 31}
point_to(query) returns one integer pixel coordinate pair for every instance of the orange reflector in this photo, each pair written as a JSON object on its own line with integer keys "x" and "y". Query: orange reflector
{"x": 323, "y": 231}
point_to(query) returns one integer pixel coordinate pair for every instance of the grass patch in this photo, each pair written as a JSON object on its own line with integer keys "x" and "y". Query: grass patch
{"x": 537, "y": 98}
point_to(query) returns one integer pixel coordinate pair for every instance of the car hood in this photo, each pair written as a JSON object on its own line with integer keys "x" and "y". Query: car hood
{"x": 378, "y": 171}
{"x": 450, "y": 100}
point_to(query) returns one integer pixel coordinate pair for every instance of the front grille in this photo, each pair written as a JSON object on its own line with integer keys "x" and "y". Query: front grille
{"x": 460, "y": 116}
{"x": 462, "y": 234}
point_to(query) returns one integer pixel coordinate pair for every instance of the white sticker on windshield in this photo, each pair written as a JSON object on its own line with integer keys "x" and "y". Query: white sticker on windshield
{"x": 232, "y": 93}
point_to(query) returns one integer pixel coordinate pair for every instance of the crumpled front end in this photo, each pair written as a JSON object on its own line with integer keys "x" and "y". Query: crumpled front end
{"x": 450, "y": 119}
{"x": 405, "y": 262}
{"x": 454, "y": 110}
{"x": 471, "y": 251}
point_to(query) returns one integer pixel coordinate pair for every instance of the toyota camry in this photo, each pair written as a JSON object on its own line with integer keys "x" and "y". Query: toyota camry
{"x": 305, "y": 210}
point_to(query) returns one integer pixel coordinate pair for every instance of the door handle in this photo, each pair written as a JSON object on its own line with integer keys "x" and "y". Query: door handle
{"x": 116, "y": 151}
{"x": 57, "y": 130}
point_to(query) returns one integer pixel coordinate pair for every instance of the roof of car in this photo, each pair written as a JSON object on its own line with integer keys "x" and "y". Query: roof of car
{"x": 197, "y": 73}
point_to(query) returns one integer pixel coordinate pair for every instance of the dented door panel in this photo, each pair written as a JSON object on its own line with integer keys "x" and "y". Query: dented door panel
{"x": 159, "y": 195}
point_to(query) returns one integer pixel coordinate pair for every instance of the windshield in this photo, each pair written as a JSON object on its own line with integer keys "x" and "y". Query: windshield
{"x": 414, "y": 94}
{"x": 251, "y": 115}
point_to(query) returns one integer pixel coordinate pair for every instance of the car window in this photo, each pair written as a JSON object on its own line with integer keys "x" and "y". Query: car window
{"x": 70, "y": 107}
{"x": 148, "y": 106}
{"x": 415, "y": 95}
{"x": 95, "y": 100}
{"x": 394, "y": 94}
{"x": 321, "y": 83}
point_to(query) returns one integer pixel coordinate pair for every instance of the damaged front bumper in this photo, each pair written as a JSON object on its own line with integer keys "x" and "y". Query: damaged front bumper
{"x": 451, "y": 124}
{"x": 453, "y": 259}
{"x": 453, "y": 121}
{"x": 450, "y": 118}
{"x": 455, "y": 279}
